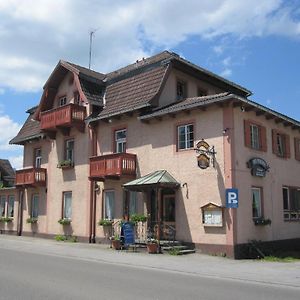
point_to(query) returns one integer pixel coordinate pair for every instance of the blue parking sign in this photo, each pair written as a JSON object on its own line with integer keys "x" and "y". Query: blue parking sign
{"x": 232, "y": 198}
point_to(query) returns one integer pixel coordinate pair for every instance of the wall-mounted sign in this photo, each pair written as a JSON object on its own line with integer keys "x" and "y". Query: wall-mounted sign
{"x": 232, "y": 198}
{"x": 212, "y": 215}
{"x": 206, "y": 154}
{"x": 258, "y": 167}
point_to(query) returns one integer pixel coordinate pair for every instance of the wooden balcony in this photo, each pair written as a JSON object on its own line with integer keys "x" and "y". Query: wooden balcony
{"x": 31, "y": 177}
{"x": 64, "y": 117}
{"x": 112, "y": 166}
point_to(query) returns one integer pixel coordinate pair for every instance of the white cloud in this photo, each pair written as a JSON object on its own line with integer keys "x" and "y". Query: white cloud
{"x": 226, "y": 73}
{"x": 9, "y": 130}
{"x": 34, "y": 35}
{"x": 16, "y": 161}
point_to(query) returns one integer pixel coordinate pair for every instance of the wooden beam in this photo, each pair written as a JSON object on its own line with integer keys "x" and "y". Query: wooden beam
{"x": 260, "y": 112}
{"x": 286, "y": 124}
{"x": 278, "y": 120}
{"x": 269, "y": 117}
{"x": 248, "y": 108}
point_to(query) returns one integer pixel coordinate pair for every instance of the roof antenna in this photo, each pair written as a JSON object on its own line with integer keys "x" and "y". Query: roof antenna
{"x": 92, "y": 33}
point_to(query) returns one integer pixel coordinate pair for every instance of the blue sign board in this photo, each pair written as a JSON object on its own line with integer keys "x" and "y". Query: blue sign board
{"x": 128, "y": 233}
{"x": 232, "y": 198}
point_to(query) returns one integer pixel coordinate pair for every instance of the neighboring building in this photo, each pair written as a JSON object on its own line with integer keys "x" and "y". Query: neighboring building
{"x": 8, "y": 198}
{"x": 165, "y": 138}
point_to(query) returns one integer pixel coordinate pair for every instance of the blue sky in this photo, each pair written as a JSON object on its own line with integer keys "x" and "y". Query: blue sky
{"x": 253, "y": 43}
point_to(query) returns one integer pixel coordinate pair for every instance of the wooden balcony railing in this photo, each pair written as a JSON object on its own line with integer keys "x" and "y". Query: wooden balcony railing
{"x": 64, "y": 116}
{"x": 31, "y": 177}
{"x": 112, "y": 166}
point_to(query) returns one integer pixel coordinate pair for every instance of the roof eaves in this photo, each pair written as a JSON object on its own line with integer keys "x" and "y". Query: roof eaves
{"x": 20, "y": 141}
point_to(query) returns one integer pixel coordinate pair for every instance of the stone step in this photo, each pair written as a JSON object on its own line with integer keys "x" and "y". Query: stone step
{"x": 177, "y": 247}
{"x": 187, "y": 251}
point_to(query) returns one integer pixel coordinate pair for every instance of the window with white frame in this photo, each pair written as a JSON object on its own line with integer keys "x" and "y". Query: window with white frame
{"x": 256, "y": 194}
{"x": 37, "y": 157}
{"x": 255, "y": 136}
{"x": 120, "y": 141}
{"x": 2, "y": 206}
{"x": 185, "y": 136}
{"x": 109, "y": 202}
{"x": 69, "y": 150}
{"x": 62, "y": 101}
{"x": 67, "y": 205}
{"x": 10, "y": 206}
{"x": 35, "y": 206}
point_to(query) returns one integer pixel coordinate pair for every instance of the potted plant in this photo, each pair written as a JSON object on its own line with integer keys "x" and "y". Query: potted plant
{"x": 105, "y": 222}
{"x": 135, "y": 218}
{"x": 31, "y": 220}
{"x": 152, "y": 246}
{"x": 6, "y": 219}
{"x": 116, "y": 242}
{"x": 64, "y": 221}
{"x": 65, "y": 164}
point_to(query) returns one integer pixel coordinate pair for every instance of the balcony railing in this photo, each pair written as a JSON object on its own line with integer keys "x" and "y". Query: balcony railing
{"x": 31, "y": 177}
{"x": 112, "y": 166}
{"x": 64, "y": 116}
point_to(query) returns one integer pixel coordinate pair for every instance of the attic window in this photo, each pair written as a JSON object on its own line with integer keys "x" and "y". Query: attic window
{"x": 181, "y": 90}
{"x": 62, "y": 101}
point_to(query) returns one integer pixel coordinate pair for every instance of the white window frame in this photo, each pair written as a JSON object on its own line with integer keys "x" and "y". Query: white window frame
{"x": 109, "y": 204}
{"x": 34, "y": 206}
{"x": 69, "y": 151}
{"x": 120, "y": 142}
{"x": 62, "y": 101}
{"x": 10, "y": 206}
{"x": 67, "y": 214}
{"x": 187, "y": 141}
{"x": 260, "y": 211}
{"x": 255, "y": 136}
{"x": 2, "y": 206}
{"x": 280, "y": 144}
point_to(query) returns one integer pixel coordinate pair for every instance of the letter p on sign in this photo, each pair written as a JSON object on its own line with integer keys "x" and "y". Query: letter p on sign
{"x": 232, "y": 198}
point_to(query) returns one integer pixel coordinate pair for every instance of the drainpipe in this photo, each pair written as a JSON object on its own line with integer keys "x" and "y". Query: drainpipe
{"x": 20, "y": 213}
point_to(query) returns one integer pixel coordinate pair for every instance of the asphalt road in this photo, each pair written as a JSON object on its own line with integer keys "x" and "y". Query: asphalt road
{"x": 31, "y": 275}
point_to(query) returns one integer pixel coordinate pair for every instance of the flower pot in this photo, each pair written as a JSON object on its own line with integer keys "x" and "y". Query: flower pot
{"x": 152, "y": 248}
{"x": 116, "y": 244}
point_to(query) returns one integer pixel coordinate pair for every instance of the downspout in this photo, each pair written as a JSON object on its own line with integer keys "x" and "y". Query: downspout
{"x": 20, "y": 213}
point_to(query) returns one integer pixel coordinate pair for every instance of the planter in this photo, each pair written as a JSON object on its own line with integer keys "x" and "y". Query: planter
{"x": 64, "y": 221}
{"x": 66, "y": 164}
{"x": 152, "y": 248}
{"x": 31, "y": 220}
{"x": 262, "y": 222}
{"x": 116, "y": 244}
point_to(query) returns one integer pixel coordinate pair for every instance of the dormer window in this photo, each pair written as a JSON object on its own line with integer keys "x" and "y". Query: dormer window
{"x": 181, "y": 90}
{"x": 62, "y": 101}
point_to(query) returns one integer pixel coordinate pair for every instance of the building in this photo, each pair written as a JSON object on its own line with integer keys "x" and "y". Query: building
{"x": 164, "y": 138}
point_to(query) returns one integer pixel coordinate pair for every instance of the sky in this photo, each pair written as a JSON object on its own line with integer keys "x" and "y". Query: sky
{"x": 253, "y": 43}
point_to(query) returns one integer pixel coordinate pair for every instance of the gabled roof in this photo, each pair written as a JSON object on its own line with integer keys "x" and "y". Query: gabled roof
{"x": 160, "y": 178}
{"x": 30, "y": 130}
{"x": 6, "y": 169}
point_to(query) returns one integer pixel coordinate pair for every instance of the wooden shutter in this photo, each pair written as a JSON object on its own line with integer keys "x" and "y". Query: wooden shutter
{"x": 297, "y": 150}
{"x": 287, "y": 146}
{"x": 247, "y": 133}
{"x": 263, "y": 138}
{"x": 274, "y": 142}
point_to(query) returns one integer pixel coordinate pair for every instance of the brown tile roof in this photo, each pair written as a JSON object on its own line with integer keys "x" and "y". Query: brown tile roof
{"x": 133, "y": 92}
{"x": 30, "y": 129}
{"x": 93, "y": 91}
{"x": 88, "y": 72}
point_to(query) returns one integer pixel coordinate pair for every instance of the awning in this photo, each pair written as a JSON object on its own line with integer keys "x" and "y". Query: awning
{"x": 156, "y": 179}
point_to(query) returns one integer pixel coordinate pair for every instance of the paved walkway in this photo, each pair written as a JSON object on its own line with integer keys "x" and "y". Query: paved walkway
{"x": 287, "y": 274}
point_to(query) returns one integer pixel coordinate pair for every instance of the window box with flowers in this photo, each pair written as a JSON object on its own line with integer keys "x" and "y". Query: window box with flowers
{"x": 31, "y": 220}
{"x": 64, "y": 221}
{"x": 6, "y": 219}
{"x": 261, "y": 221}
{"x": 105, "y": 222}
{"x": 65, "y": 164}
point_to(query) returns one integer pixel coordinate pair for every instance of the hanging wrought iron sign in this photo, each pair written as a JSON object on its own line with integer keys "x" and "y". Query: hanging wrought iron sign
{"x": 258, "y": 166}
{"x": 206, "y": 154}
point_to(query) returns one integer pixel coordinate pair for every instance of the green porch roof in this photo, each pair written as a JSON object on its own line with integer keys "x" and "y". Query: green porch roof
{"x": 160, "y": 178}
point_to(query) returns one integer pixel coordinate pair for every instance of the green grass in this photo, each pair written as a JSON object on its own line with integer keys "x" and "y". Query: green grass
{"x": 288, "y": 256}
{"x": 64, "y": 238}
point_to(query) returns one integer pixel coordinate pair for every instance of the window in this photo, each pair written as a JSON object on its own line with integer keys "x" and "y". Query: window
{"x": 201, "y": 92}
{"x": 254, "y": 133}
{"x": 281, "y": 144}
{"x": 255, "y": 136}
{"x": 120, "y": 141}
{"x": 69, "y": 150}
{"x": 37, "y": 157}
{"x": 62, "y": 101}
{"x": 2, "y": 206}
{"x": 34, "y": 206}
{"x": 185, "y": 136}
{"x": 291, "y": 203}
{"x": 67, "y": 205}
{"x": 297, "y": 148}
{"x": 109, "y": 199}
{"x": 256, "y": 203}
{"x": 76, "y": 98}
{"x": 130, "y": 203}
{"x": 181, "y": 91}
{"x": 10, "y": 206}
